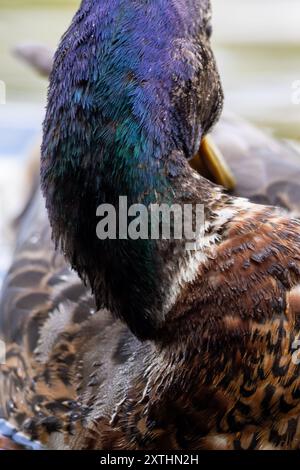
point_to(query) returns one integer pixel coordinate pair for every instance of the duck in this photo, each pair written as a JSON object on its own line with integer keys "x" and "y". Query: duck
{"x": 144, "y": 344}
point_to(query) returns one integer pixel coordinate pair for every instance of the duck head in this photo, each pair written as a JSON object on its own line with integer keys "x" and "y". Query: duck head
{"x": 133, "y": 90}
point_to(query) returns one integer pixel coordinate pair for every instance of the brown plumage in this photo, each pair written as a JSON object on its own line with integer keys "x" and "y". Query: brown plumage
{"x": 266, "y": 170}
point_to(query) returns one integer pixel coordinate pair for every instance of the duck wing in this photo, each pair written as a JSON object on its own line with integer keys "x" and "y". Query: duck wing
{"x": 267, "y": 170}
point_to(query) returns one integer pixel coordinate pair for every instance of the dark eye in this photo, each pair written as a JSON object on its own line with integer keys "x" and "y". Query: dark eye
{"x": 208, "y": 30}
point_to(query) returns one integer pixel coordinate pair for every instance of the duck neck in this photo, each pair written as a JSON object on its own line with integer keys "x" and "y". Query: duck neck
{"x": 136, "y": 275}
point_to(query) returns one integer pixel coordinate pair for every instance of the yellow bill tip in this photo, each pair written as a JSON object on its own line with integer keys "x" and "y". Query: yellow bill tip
{"x": 210, "y": 163}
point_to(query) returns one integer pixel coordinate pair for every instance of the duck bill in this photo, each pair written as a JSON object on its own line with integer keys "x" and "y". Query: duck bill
{"x": 210, "y": 163}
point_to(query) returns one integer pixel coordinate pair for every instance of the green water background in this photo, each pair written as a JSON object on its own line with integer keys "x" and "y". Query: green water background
{"x": 257, "y": 44}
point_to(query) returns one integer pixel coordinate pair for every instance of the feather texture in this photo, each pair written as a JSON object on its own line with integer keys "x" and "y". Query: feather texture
{"x": 177, "y": 350}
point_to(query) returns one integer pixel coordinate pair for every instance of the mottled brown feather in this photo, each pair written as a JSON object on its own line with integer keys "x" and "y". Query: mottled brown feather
{"x": 222, "y": 375}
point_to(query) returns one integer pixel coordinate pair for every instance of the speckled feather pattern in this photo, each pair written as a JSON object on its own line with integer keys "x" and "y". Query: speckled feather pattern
{"x": 133, "y": 88}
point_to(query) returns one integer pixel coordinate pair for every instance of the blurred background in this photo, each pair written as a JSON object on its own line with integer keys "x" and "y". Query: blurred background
{"x": 257, "y": 44}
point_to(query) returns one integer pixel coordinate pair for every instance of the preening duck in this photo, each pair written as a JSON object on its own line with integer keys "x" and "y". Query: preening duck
{"x": 175, "y": 349}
